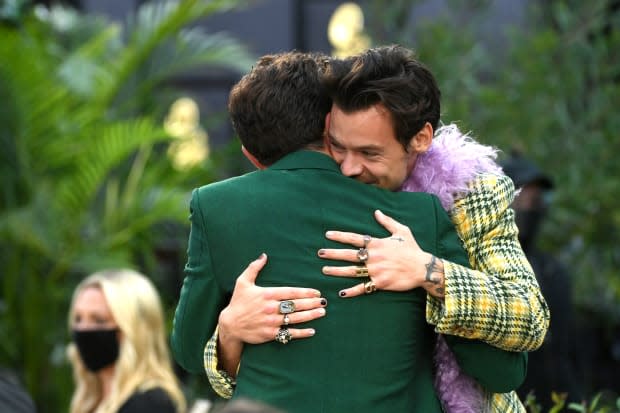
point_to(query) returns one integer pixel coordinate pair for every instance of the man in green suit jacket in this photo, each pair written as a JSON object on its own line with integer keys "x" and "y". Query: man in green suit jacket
{"x": 368, "y": 355}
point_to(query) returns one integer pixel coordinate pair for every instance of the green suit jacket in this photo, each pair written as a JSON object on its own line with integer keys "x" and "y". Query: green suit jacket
{"x": 371, "y": 354}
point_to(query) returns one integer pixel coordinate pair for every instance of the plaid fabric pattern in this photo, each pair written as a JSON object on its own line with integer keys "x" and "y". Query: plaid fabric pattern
{"x": 504, "y": 403}
{"x": 500, "y": 301}
{"x": 220, "y": 381}
{"x": 500, "y": 304}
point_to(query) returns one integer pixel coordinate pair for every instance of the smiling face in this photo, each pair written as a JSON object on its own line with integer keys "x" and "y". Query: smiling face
{"x": 365, "y": 146}
{"x": 91, "y": 311}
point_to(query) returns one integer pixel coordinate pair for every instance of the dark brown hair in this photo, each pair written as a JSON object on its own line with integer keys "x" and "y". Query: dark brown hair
{"x": 280, "y": 106}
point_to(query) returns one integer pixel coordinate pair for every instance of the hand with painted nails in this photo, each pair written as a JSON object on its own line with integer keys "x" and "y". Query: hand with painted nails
{"x": 394, "y": 263}
{"x": 255, "y": 314}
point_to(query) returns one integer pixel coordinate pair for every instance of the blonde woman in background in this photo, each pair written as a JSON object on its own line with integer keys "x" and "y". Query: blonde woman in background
{"x": 119, "y": 351}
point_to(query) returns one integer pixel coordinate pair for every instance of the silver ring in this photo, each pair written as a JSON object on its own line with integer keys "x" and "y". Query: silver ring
{"x": 362, "y": 255}
{"x": 366, "y": 239}
{"x": 286, "y": 320}
{"x": 283, "y": 336}
{"x": 286, "y": 307}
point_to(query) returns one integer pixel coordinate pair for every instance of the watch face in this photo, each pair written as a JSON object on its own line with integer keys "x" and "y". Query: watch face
{"x": 287, "y": 307}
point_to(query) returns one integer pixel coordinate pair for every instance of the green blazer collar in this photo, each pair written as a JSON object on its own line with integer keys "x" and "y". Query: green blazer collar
{"x": 306, "y": 159}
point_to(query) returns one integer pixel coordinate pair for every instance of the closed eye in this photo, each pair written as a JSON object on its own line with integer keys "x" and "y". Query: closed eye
{"x": 336, "y": 146}
{"x": 370, "y": 154}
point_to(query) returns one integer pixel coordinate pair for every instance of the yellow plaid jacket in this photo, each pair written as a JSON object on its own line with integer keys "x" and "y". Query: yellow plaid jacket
{"x": 499, "y": 301}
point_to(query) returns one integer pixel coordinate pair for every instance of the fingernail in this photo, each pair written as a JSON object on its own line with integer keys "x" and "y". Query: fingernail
{"x": 329, "y": 233}
{"x": 323, "y": 301}
{"x": 322, "y": 311}
{"x": 312, "y": 332}
{"x": 342, "y": 293}
{"x": 317, "y": 293}
{"x": 321, "y": 252}
{"x": 262, "y": 255}
{"x": 378, "y": 212}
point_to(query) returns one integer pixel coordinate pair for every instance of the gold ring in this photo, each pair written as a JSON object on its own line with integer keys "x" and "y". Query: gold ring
{"x": 366, "y": 239}
{"x": 369, "y": 287}
{"x": 361, "y": 271}
{"x": 362, "y": 255}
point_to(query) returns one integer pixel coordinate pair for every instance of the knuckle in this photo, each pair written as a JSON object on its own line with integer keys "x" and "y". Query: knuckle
{"x": 271, "y": 308}
{"x": 268, "y": 332}
{"x": 268, "y": 294}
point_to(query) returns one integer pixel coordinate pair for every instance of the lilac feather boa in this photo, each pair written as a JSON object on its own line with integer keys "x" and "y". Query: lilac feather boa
{"x": 449, "y": 165}
{"x": 445, "y": 170}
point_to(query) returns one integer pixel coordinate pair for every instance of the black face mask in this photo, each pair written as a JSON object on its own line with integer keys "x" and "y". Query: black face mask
{"x": 97, "y": 348}
{"x": 528, "y": 222}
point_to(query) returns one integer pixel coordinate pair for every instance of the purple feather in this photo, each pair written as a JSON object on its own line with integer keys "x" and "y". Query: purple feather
{"x": 457, "y": 392}
{"x": 450, "y": 164}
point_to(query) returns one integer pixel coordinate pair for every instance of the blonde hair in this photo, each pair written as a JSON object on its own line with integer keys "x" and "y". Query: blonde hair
{"x": 144, "y": 360}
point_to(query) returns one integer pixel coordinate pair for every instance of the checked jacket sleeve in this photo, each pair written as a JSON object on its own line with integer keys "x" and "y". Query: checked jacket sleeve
{"x": 220, "y": 381}
{"x": 500, "y": 301}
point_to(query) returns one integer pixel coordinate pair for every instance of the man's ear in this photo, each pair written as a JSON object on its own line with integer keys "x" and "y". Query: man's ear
{"x": 423, "y": 139}
{"x": 252, "y": 158}
{"x": 328, "y": 118}
{"x": 326, "y": 143}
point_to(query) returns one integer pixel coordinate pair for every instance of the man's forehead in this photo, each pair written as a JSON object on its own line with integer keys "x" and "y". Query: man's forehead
{"x": 361, "y": 133}
{"x": 355, "y": 142}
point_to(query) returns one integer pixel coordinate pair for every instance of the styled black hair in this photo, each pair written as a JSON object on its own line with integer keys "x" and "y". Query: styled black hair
{"x": 390, "y": 76}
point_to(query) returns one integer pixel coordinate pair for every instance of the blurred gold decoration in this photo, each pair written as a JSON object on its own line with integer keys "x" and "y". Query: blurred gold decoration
{"x": 346, "y": 30}
{"x": 192, "y": 144}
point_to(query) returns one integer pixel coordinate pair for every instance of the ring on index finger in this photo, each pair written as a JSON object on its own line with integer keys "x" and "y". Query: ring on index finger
{"x": 362, "y": 255}
{"x": 366, "y": 239}
{"x": 286, "y": 307}
{"x": 370, "y": 287}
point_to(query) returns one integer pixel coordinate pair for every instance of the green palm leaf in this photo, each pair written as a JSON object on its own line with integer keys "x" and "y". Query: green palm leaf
{"x": 154, "y": 24}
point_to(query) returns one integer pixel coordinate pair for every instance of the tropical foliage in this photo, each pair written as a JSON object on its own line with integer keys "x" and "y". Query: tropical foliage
{"x": 85, "y": 182}
{"x": 600, "y": 403}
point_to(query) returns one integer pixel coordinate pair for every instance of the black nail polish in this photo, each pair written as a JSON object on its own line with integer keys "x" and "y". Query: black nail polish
{"x": 342, "y": 293}
{"x": 323, "y": 301}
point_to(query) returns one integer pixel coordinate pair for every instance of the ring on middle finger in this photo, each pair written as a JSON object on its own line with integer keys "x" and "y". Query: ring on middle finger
{"x": 362, "y": 255}
{"x": 286, "y": 307}
{"x": 361, "y": 271}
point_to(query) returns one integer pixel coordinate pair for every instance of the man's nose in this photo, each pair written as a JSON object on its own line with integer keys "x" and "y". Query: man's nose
{"x": 350, "y": 166}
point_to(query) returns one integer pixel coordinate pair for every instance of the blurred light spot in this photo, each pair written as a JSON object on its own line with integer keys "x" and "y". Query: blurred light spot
{"x": 191, "y": 147}
{"x": 346, "y": 30}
